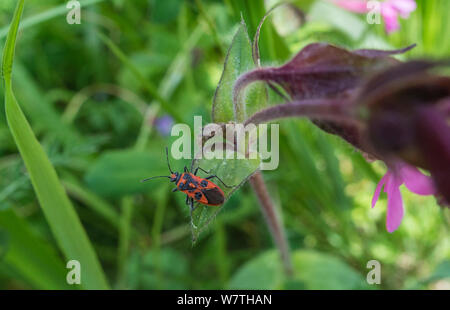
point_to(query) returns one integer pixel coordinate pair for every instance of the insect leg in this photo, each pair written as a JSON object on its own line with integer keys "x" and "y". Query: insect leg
{"x": 215, "y": 176}
{"x": 187, "y": 200}
{"x": 175, "y": 189}
{"x": 192, "y": 206}
{"x": 211, "y": 176}
{"x": 207, "y": 172}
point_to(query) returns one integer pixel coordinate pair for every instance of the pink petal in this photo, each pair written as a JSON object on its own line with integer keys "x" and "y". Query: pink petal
{"x": 390, "y": 17}
{"x": 404, "y": 7}
{"x": 357, "y": 6}
{"x": 395, "y": 204}
{"x": 416, "y": 181}
{"x": 376, "y": 194}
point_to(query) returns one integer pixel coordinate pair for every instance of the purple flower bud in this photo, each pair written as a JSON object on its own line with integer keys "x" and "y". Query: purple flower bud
{"x": 408, "y": 120}
{"x": 164, "y": 125}
{"x": 395, "y": 112}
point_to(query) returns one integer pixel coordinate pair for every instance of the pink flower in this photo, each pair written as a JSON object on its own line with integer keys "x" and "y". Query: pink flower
{"x": 413, "y": 179}
{"x": 390, "y": 10}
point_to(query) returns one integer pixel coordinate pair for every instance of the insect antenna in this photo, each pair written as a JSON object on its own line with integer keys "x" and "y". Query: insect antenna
{"x": 168, "y": 165}
{"x": 160, "y": 176}
{"x": 167, "y": 157}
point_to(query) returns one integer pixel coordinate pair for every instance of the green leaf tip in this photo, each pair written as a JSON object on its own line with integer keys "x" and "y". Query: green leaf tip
{"x": 8, "y": 51}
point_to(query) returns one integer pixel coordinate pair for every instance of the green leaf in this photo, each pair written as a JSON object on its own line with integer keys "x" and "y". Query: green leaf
{"x": 261, "y": 273}
{"x": 238, "y": 61}
{"x": 233, "y": 172}
{"x": 28, "y": 256}
{"x": 273, "y": 46}
{"x": 255, "y": 99}
{"x": 325, "y": 272}
{"x": 58, "y": 210}
{"x": 312, "y": 270}
{"x": 118, "y": 173}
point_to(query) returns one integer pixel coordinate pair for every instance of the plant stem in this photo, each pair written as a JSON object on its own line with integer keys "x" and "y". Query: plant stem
{"x": 273, "y": 220}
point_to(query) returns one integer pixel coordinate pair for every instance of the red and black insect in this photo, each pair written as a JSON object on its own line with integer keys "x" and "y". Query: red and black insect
{"x": 196, "y": 188}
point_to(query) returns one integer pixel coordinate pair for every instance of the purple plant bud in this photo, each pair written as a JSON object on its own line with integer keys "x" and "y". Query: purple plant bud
{"x": 321, "y": 70}
{"x": 164, "y": 125}
{"x": 433, "y": 137}
{"x": 395, "y": 100}
{"x": 392, "y": 111}
{"x": 391, "y": 132}
{"x": 319, "y": 73}
{"x": 408, "y": 119}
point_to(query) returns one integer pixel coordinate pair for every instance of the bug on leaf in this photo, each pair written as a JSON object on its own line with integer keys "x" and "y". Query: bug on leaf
{"x": 196, "y": 188}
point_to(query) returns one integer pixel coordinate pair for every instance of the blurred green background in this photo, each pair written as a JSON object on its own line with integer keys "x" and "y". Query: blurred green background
{"x": 102, "y": 129}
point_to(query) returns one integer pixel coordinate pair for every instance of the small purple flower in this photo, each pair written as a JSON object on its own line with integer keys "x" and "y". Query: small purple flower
{"x": 164, "y": 125}
{"x": 390, "y": 10}
{"x": 413, "y": 179}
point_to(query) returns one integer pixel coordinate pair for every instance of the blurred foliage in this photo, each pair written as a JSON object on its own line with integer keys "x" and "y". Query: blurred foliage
{"x": 101, "y": 140}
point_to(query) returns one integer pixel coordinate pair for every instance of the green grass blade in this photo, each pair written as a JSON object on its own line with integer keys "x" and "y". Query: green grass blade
{"x": 57, "y": 208}
{"x": 45, "y": 16}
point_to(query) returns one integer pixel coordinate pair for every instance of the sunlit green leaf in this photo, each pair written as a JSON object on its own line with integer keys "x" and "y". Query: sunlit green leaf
{"x": 239, "y": 60}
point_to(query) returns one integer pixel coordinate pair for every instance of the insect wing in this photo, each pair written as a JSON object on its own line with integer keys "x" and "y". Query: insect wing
{"x": 214, "y": 195}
